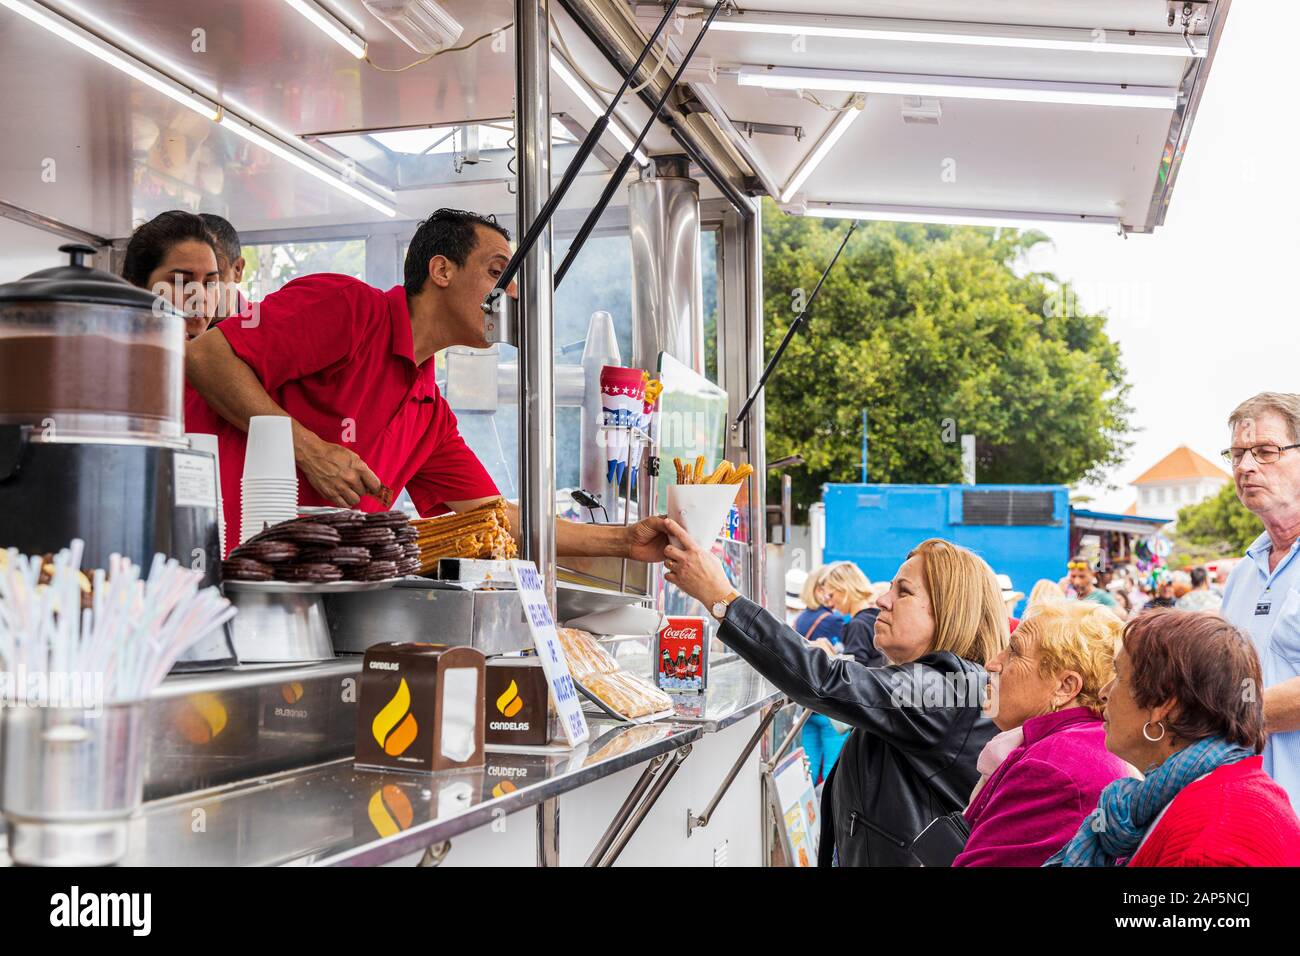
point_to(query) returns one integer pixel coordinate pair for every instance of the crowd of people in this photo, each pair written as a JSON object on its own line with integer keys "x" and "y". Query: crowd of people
{"x": 1112, "y": 725}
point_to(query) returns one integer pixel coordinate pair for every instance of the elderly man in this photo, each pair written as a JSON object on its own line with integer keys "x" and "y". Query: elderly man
{"x": 1263, "y": 592}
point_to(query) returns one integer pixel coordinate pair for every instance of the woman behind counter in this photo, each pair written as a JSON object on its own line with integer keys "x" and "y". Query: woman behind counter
{"x": 917, "y": 727}
{"x": 174, "y": 256}
{"x": 1180, "y": 709}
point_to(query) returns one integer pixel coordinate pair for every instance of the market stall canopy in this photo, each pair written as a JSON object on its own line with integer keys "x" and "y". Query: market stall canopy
{"x": 1022, "y": 111}
{"x": 1105, "y": 521}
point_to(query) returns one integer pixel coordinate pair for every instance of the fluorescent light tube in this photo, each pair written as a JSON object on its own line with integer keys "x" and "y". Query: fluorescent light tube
{"x": 327, "y": 24}
{"x": 950, "y": 216}
{"x": 964, "y": 34}
{"x": 814, "y": 159}
{"x": 959, "y": 87}
{"x": 106, "y": 53}
{"x": 156, "y": 80}
{"x": 289, "y": 155}
{"x": 570, "y": 79}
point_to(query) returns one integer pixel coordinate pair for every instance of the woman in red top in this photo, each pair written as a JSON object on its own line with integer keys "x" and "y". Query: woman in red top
{"x": 1185, "y": 707}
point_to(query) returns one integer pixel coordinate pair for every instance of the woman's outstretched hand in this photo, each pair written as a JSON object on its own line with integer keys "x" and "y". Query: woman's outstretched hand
{"x": 694, "y": 570}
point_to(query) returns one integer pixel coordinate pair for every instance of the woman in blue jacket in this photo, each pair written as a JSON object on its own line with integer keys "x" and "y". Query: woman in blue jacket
{"x": 820, "y": 624}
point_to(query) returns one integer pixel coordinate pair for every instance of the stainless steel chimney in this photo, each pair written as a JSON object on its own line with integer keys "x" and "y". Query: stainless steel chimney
{"x": 667, "y": 294}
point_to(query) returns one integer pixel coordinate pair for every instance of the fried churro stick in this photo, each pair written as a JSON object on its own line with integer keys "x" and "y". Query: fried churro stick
{"x": 720, "y": 474}
{"x": 698, "y": 477}
{"x": 740, "y": 474}
{"x": 681, "y": 470}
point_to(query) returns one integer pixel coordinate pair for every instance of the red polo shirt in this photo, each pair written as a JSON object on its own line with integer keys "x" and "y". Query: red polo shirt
{"x": 338, "y": 356}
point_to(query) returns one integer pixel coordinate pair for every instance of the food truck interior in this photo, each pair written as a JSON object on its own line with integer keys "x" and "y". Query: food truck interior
{"x": 325, "y": 130}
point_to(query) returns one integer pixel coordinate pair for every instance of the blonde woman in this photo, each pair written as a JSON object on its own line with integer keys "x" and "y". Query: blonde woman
{"x": 1044, "y": 592}
{"x": 1045, "y": 772}
{"x": 822, "y": 626}
{"x": 917, "y": 726}
{"x": 849, "y": 592}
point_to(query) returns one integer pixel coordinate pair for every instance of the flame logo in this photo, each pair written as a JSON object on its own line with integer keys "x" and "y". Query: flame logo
{"x": 292, "y": 692}
{"x": 203, "y": 718}
{"x": 505, "y": 786}
{"x": 389, "y": 811}
{"x": 510, "y": 703}
{"x": 394, "y": 727}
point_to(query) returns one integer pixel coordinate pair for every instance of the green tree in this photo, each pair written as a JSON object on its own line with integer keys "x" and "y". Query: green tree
{"x": 934, "y": 331}
{"x": 1220, "y": 524}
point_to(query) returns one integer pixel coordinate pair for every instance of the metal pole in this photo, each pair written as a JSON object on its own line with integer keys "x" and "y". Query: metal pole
{"x": 536, "y": 305}
{"x": 692, "y": 821}
{"x": 661, "y": 783}
{"x": 864, "y": 446}
{"x": 548, "y": 832}
{"x": 620, "y": 819}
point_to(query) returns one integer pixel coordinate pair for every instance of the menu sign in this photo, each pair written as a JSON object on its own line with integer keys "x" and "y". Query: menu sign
{"x": 542, "y": 625}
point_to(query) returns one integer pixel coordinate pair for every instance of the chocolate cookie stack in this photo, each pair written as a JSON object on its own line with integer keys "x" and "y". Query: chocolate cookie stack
{"x": 333, "y": 546}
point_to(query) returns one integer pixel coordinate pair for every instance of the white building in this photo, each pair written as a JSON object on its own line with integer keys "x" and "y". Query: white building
{"x": 1179, "y": 479}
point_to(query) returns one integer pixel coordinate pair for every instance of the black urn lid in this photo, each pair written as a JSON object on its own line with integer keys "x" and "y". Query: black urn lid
{"x": 78, "y": 282}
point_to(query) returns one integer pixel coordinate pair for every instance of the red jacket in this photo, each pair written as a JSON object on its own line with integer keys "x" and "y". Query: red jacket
{"x": 1234, "y": 816}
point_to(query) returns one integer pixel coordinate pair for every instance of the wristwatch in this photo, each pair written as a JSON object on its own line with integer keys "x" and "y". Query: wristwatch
{"x": 719, "y": 609}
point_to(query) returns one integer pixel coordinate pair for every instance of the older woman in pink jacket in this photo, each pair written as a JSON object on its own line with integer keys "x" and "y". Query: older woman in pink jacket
{"x": 1045, "y": 772}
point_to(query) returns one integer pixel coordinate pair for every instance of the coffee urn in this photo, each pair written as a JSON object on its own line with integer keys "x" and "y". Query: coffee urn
{"x": 92, "y": 441}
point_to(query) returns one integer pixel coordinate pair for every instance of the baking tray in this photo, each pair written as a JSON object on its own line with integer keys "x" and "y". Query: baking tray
{"x": 307, "y": 587}
{"x": 610, "y": 711}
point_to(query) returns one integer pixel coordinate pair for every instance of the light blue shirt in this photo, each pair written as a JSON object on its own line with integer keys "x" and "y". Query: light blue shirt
{"x": 1267, "y": 606}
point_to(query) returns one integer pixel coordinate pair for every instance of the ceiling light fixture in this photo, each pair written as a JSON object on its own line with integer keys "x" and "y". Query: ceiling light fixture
{"x": 959, "y": 87}
{"x": 965, "y": 34}
{"x": 134, "y": 67}
{"x": 568, "y": 76}
{"x": 331, "y": 26}
{"x": 951, "y": 216}
{"x": 819, "y": 152}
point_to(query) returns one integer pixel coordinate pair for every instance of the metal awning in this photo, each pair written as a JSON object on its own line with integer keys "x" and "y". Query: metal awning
{"x": 1021, "y": 112}
{"x": 1125, "y": 524}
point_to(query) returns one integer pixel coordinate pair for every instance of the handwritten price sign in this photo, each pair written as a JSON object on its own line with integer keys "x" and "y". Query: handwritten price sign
{"x": 547, "y": 641}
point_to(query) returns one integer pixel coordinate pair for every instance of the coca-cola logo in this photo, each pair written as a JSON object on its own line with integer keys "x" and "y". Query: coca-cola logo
{"x": 683, "y": 633}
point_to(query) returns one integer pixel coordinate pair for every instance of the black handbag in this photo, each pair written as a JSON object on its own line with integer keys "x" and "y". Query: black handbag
{"x": 942, "y": 840}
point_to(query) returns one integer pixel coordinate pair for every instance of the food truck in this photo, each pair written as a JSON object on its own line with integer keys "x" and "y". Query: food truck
{"x": 629, "y": 149}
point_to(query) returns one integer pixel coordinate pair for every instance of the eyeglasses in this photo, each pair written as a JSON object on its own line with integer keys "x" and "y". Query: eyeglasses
{"x": 1077, "y": 566}
{"x": 1263, "y": 454}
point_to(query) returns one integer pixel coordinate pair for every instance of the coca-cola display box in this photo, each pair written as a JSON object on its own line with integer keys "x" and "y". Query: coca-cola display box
{"x": 682, "y": 655}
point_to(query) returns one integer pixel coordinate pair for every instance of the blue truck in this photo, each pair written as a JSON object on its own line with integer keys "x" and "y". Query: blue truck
{"x": 1021, "y": 530}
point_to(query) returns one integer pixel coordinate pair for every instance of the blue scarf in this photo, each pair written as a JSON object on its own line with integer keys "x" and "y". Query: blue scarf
{"x": 1127, "y": 807}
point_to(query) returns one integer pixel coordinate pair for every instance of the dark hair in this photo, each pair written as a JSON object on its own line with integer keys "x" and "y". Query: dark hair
{"x": 151, "y": 242}
{"x": 226, "y": 239}
{"x": 1198, "y": 577}
{"x": 1205, "y": 665}
{"x": 448, "y": 232}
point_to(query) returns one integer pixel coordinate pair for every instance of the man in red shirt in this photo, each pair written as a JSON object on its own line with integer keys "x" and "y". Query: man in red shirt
{"x": 353, "y": 367}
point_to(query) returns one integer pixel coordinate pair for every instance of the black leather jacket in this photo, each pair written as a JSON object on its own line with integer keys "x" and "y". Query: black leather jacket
{"x": 917, "y": 732}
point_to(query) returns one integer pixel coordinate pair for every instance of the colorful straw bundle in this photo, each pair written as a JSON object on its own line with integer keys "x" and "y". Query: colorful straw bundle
{"x": 132, "y": 634}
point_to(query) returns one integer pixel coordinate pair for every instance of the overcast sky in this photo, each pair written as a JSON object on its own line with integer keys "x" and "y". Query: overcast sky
{"x": 1205, "y": 308}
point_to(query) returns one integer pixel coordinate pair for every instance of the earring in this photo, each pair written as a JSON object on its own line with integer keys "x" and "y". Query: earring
{"x": 1149, "y": 737}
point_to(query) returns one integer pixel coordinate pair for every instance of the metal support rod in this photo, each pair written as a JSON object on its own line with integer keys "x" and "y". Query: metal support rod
{"x": 534, "y": 231}
{"x": 794, "y": 328}
{"x": 789, "y": 739}
{"x": 661, "y": 783}
{"x": 617, "y": 179}
{"x": 692, "y": 821}
{"x": 548, "y": 832}
{"x": 620, "y": 818}
{"x": 536, "y": 305}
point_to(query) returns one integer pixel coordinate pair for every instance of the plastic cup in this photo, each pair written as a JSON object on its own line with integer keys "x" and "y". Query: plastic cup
{"x": 270, "y": 448}
{"x": 701, "y": 509}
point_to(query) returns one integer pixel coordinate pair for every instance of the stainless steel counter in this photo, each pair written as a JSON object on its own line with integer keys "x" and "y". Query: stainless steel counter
{"x": 735, "y": 691}
{"x": 334, "y": 814}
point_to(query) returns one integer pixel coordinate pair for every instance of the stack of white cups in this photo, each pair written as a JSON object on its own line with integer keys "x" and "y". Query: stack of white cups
{"x": 270, "y": 484}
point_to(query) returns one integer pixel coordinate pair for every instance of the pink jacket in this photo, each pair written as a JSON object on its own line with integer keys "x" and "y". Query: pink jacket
{"x": 1034, "y": 802}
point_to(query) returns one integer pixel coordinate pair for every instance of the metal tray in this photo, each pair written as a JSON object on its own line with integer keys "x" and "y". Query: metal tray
{"x": 307, "y": 587}
{"x": 606, "y": 709}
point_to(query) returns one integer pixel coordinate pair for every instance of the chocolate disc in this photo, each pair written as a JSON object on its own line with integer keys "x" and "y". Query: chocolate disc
{"x": 342, "y": 556}
{"x": 267, "y": 551}
{"x": 314, "y": 573}
{"x": 246, "y": 569}
{"x": 387, "y": 519}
